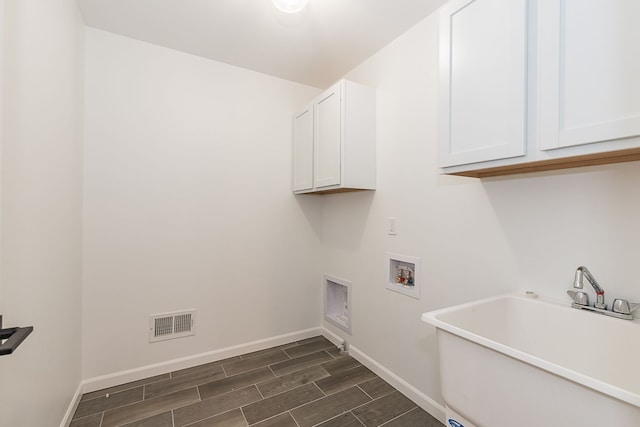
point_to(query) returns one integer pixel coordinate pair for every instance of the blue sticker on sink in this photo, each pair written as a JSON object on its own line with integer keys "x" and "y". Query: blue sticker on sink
{"x": 454, "y": 423}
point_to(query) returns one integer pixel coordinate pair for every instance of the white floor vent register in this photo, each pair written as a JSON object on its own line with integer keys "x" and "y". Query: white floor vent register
{"x": 166, "y": 326}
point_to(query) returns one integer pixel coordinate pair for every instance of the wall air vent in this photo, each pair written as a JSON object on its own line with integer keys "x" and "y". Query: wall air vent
{"x": 166, "y": 326}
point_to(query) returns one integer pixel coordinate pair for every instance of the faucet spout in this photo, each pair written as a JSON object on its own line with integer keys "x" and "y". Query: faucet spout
{"x": 581, "y": 273}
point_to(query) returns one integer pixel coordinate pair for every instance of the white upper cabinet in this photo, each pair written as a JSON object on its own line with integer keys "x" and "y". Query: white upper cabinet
{"x": 483, "y": 87}
{"x": 303, "y": 150}
{"x": 589, "y": 69}
{"x": 335, "y": 141}
{"x": 534, "y": 85}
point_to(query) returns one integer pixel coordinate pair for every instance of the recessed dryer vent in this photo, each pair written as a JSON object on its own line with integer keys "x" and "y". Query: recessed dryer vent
{"x": 402, "y": 274}
{"x": 166, "y": 326}
{"x": 337, "y": 302}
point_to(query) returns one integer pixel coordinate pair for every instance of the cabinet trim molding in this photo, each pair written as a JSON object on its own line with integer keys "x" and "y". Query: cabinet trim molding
{"x": 622, "y": 156}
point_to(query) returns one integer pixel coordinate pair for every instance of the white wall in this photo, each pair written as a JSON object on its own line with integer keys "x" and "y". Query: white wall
{"x": 41, "y": 220}
{"x": 188, "y": 204}
{"x": 475, "y": 238}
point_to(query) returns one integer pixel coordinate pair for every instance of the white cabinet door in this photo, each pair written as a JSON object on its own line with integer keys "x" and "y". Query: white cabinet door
{"x": 483, "y": 88}
{"x": 303, "y": 150}
{"x": 328, "y": 137}
{"x": 335, "y": 141}
{"x": 589, "y": 70}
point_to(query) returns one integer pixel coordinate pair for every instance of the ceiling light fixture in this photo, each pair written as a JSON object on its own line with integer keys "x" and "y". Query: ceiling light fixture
{"x": 290, "y": 6}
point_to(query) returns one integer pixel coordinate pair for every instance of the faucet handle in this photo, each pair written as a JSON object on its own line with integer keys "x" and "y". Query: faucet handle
{"x": 623, "y": 306}
{"x": 580, "y": 298}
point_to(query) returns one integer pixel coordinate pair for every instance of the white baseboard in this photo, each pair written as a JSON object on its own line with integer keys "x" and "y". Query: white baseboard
{"x": 123, "y": 377}
{"x": 421, "y": 399}
{"x": 72, "y": 407}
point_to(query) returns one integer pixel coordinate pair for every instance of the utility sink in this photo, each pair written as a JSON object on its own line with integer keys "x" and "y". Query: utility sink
{"x": 522, "y": 360}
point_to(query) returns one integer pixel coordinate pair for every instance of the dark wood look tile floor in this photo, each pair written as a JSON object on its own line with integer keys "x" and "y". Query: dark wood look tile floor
{"x": 302, "y": 384}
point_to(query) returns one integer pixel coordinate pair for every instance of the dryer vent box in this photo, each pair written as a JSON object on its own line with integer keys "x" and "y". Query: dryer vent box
{"x": 337, "y": 302}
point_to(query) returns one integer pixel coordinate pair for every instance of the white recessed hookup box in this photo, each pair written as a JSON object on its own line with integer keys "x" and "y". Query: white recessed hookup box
{"x": 337, "y": 302}
{"x": 403, "y": 274}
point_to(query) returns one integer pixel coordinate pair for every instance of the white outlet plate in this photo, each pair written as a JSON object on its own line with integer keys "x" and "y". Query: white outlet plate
{"x": 393, "y": 226}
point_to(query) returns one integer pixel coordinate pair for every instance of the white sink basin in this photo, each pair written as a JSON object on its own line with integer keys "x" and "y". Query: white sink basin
{"x": 539, "y": 362}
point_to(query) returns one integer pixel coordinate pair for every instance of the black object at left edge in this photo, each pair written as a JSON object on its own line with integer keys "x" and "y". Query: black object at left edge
{"x": 13, "y": 337}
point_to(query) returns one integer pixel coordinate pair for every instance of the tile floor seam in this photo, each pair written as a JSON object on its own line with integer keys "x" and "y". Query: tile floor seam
{"x": 274, "y": 374}
{"x": 98, "y": 397}
{"x": 119, "y": 407}
{"x": 290, "y": 409}
{"x": 243, "y": 415}
{"x": 293, "y": 418}
{"x": 395, "y": 418}
{"x": 212, "y": 416}
{"x": 140, "y": 401}
{"x": 382, "y": 395}
{"x": 379, "y": 425}
{"x": 360, "y": 406}
{"x": 332, "y": 418}
{"x": 266, "y": 419}
{"x": 323, "y": 421}
{"x": 124, "y": 389}
{"x": 110, "y": 394}
{"x": 368, "y": 395}
{"x": 283, "y": 391}
{"x": 350, "y": 410}
{"x": 259, "y": 392}
{"x": 357, "y": 419}
{"x": 325, "y": 394}
{"x": 292, "y": 389}
{"x": 306, "y": 403}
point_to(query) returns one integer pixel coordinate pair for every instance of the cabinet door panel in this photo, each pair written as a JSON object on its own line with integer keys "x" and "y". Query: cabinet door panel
{"x": 483, "y": 80}
{"x": 328, "y": 138}
{"x": 589, "y": 67}
{"x": 303, "y": 150}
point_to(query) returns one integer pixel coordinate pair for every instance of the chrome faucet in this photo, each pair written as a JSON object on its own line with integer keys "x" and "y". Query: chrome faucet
{"x": 583, "y": 272}
{"x": 621, "y": 309}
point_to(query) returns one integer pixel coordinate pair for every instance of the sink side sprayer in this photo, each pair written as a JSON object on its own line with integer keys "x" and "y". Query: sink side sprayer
{"x": 621, "y": 308}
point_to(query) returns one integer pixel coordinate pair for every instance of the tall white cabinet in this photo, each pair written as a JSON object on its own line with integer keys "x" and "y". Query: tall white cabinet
{"x": 335, "y": 141}
{"x": 553, "y": 84}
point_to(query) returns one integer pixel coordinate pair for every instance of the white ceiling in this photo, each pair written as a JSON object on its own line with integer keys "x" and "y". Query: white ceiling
{"x": 316, "y": 47}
